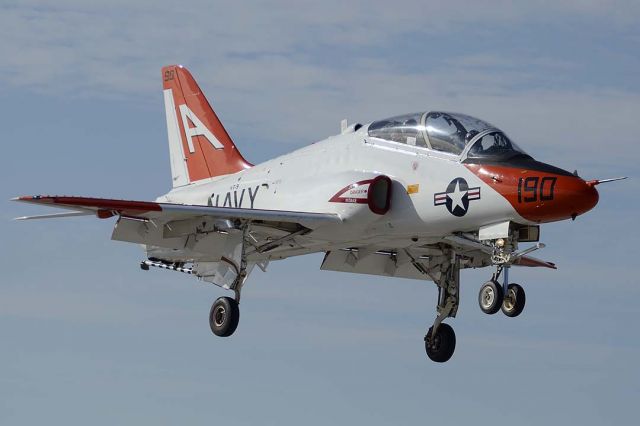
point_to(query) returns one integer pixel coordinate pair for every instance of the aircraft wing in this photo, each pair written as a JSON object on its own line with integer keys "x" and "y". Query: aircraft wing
{"x": 104, "y": 208}
{"x": 206, "y": 237}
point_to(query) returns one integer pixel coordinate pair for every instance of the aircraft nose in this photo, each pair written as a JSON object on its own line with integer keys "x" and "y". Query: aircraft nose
{"x": 551, "y": 197}
{"x": 540, "y": 192}
{"x": 575, "y": 196}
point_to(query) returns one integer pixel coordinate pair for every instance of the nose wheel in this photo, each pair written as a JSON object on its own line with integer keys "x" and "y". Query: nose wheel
{"x": 490, "y": 297}
{"x": 514, "y": 300}
{"x": 510, "y": 298}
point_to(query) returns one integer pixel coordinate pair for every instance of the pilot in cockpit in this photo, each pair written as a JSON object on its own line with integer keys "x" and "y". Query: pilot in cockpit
{"x": 470, "y": 135}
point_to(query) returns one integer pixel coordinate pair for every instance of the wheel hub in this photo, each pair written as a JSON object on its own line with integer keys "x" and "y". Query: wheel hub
{"x": 434, "y": 343}
{"x": 488, "y": 297}
{"x": 219, "y": 315}
{"x": 509, "y": 300}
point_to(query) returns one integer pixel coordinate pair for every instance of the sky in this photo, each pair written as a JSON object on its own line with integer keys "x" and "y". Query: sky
{"x": 87, "y": 337}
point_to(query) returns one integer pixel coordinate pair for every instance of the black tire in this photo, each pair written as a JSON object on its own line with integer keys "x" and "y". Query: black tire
{"x": 441, "y": 347}
{"x": 224, "y": 316}
{"x": 490, "y": 297}
{"x": 514, "y": 300}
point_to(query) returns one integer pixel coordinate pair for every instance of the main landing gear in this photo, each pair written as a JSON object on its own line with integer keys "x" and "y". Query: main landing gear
{"x": 509, "y": 297}
{"x": 441, "y": 345}
{"x": 224, "y": 316}
{"x": 225, "y": 311}
{"x": 440, "y": 341}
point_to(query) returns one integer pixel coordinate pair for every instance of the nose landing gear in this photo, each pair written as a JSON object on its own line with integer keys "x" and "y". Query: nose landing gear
{"x": 514, "y": 300}
{"x": 510, "y": 298}
{"x": 490, "y": 297}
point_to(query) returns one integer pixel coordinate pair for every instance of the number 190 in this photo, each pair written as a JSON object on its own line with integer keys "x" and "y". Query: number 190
{"x": 532, "y": 189}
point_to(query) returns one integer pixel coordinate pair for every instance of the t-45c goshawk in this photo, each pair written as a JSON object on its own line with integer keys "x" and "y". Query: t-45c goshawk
{"x": 416, "y": 196}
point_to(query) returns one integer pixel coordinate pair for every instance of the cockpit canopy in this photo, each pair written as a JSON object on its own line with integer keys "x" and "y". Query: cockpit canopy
{"x": 447, "y": 132}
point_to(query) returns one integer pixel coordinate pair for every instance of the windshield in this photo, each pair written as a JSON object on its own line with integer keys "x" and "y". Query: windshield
{"x": 496, "y": 146}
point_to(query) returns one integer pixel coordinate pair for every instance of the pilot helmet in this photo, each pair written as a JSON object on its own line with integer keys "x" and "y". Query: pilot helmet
{"x": 470, "y": 135}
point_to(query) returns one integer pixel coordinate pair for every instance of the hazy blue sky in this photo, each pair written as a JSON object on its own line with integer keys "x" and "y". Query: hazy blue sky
{"x": 88, "y": 338}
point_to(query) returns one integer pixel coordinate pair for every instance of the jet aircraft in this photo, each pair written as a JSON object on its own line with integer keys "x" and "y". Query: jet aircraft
{"x": 418, "y": 196}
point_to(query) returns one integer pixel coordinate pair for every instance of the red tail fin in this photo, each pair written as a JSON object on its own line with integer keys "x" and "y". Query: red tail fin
{"x": 199, "y": 145}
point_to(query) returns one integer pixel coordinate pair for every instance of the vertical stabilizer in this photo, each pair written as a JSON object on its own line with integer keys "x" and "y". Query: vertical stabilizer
{"x": 199, "y": 146}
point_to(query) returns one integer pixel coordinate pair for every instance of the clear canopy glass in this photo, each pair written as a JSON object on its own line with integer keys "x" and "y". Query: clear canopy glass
{"x": 445, "y": 132}
{"x": 494, "y": 145}
{"x": 450, "y": 132}
{"x": 402, "y": 128}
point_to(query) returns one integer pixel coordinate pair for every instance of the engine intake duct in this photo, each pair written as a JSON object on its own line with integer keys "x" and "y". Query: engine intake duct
{"x": 379, "y": 195}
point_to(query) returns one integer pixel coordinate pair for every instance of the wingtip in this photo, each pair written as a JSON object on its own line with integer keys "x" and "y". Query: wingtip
{"x": 28, "y": 198}
{"x": 25, "y": 198}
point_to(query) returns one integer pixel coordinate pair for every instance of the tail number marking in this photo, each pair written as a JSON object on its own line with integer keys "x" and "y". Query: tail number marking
{"x": 533, "y": 189}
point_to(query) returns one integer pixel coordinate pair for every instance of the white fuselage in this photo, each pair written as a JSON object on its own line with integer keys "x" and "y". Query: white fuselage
{"x": 306, "y": 179}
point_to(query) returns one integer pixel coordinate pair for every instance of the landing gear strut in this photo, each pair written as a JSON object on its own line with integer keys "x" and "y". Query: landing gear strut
{"x": 440, "y": 341}
{"x": 225, "y": 312}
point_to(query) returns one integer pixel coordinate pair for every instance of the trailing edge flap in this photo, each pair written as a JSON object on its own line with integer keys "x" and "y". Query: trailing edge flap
{"x": 374, "y": 264}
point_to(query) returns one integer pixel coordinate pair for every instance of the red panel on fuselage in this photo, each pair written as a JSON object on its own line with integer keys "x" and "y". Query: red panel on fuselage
{"x": 539, "y": 196}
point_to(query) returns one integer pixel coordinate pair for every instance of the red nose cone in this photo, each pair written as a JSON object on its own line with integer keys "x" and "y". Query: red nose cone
{"x": 540, "y": 195}
{"x": 577, "y": 197}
